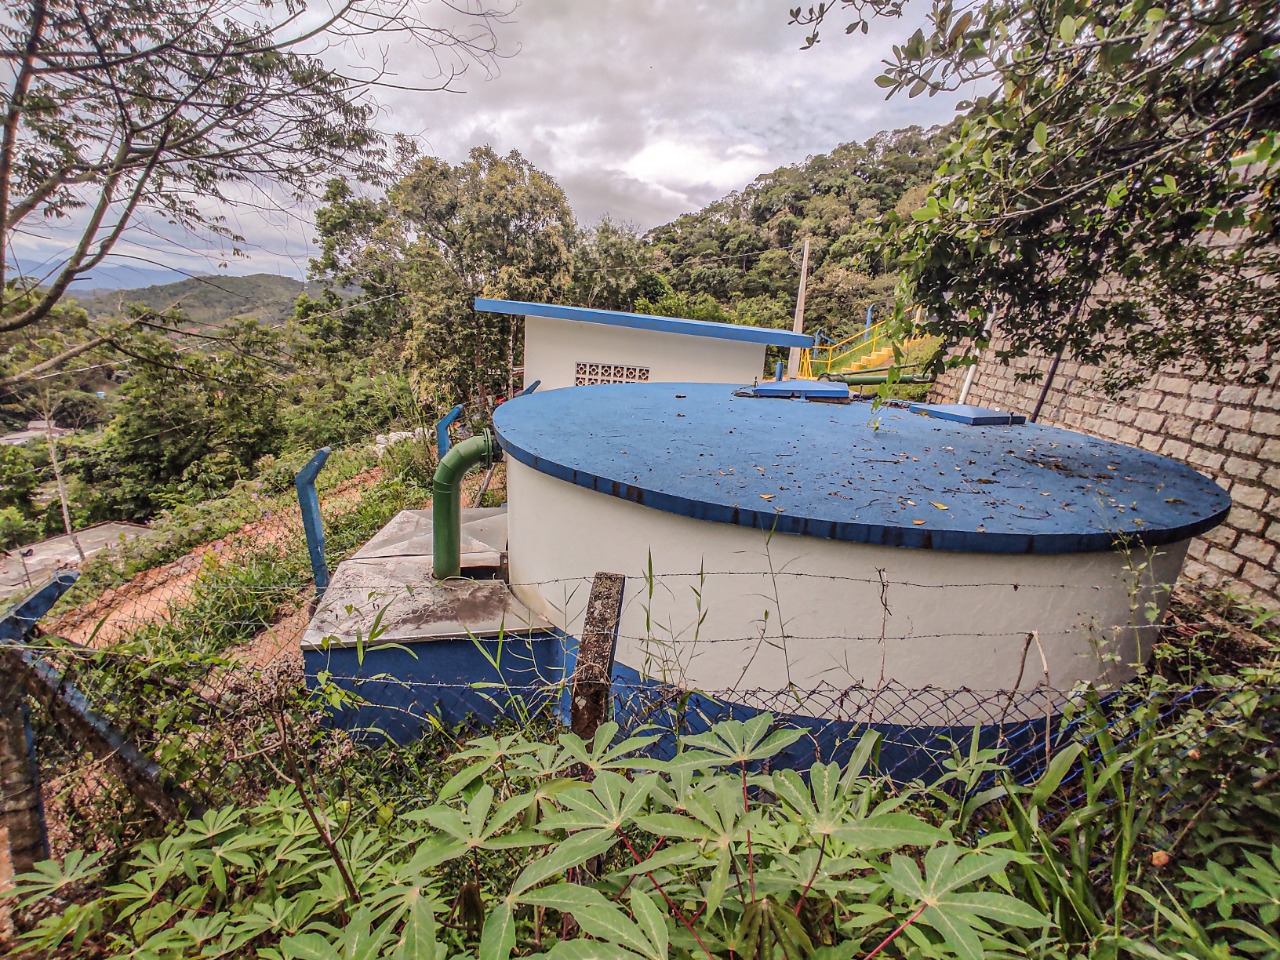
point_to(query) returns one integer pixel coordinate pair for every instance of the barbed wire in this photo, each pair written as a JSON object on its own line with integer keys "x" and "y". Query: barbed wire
{"x": 192, "y": 657}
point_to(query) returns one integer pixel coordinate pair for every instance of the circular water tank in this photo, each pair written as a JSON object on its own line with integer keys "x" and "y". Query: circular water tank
{"x": 783, "y": 552}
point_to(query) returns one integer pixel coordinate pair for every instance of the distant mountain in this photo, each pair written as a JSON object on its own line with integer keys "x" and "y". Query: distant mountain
{"x": 117, "y": 276}
{"x": 263, "y": 296}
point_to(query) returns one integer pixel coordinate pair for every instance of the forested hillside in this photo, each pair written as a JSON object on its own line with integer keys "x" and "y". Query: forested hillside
{"x": 744, "y": 251}
{"x": 262, "y": 296}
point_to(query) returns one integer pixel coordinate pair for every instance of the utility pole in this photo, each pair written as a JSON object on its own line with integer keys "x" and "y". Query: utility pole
{"x": 57, "y": 476}
{"x": 987, "y": 329}
{"x": 793, "y": 358}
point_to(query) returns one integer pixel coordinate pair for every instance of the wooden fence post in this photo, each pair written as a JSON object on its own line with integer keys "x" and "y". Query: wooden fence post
{"x": 591, "y": 688}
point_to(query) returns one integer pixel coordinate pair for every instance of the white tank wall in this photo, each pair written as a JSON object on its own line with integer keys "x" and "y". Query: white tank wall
{"x": 788, "y": 612}
{"x": 553, "y": 348}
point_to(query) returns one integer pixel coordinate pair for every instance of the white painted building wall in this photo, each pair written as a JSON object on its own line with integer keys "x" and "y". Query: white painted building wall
{"x": 553, "y": 349}
{"x": 731, "y": 608}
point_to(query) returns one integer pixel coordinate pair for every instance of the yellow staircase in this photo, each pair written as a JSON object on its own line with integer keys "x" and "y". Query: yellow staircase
{"x": 869, "y": 349}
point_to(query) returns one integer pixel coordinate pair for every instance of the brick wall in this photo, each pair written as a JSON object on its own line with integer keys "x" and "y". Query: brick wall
{"x": 1228, "y": 431}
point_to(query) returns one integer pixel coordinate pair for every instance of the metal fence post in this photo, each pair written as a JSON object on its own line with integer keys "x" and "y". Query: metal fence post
{"x": 442, "y": 431}
{"x": 309, "y": 502}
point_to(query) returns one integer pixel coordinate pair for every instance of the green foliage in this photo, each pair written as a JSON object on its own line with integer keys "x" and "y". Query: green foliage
{"x": 183, "y": 527}
{"x": 15, "y": 528}
{"x": 491, "y": 226}
{"x": 1114, "y": 196}
{"x": 700, "y": 306}
{"x": 69, "y": 399}
{"x": 347, "y": 407}
{"x": 609, "y": 262}
{"x": 361, "y": 247}
{"x": 18, "y": 479}
{"x": 743, "y": 251}
{"x": 690, "y": 858}
{"x": 187, "y": 427}
{"x": 513, "y": 845}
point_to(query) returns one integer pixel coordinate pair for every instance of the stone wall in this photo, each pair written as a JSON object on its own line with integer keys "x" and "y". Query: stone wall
{"x": 1228, "y": 431}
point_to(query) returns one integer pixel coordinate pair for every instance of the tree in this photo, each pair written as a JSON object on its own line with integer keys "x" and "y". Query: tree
{"x": 19, "y": 475}
{"x": 491, "y": 226}
{"x": 608, "y": 262}
{"x": 189, "y": 424}
{"x": 744, "y": 250}
{"x": 1114, "y": 196}
{"x": 181, "y": 109}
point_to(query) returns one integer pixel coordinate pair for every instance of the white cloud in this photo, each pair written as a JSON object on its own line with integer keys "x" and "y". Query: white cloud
{"x": 640, "y": 110}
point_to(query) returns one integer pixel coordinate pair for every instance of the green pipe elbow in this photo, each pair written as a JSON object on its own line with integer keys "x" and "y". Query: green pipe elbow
{"x": 446, "y": 509}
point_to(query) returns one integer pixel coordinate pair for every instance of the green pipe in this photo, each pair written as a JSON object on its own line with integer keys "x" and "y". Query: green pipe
{"x": 446, "y": 510}
{"x": 875, "y": 379}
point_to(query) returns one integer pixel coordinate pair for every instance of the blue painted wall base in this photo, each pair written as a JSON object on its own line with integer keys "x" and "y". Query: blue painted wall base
{"x": 907, "y": 751}
{"x": 407, "y": 689}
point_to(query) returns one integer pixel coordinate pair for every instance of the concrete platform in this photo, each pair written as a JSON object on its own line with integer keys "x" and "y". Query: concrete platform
{"x": 386, "y": 594}
{"x": 58, "y": 553}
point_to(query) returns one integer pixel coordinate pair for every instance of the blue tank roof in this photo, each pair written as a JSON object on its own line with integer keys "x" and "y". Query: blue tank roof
{"x": 850, "y": 472}
{"x": 644, "y": 321}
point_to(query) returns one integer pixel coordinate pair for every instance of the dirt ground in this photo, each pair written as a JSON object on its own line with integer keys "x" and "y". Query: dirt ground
{"x": 149, "y": 597}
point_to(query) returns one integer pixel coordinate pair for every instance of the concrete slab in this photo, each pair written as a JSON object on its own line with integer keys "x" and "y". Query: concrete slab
{"x": 388, "y": 582}
{"x": 58, "y": 553}
{"x": 409, "y": 534}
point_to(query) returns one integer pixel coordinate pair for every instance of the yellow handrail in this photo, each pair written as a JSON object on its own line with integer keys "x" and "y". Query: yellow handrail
{"x": 864, "y": 342}
{"x": 857, "y": 336}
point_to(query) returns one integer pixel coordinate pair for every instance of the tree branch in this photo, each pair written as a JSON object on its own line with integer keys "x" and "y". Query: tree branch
{"x": 12, "y": 120}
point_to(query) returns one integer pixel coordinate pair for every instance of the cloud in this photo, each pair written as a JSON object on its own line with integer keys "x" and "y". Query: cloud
{"x": 644, "y": 111}
{"x": 640, "y": 110}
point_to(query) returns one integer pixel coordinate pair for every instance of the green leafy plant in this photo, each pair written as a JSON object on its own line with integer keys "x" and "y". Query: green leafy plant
{"x": 639, "y": 858}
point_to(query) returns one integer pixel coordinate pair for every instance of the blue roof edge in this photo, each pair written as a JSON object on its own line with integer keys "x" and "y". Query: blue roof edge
{"x": 643, "y": 321}
{"x": 852, "y": 531}
{"x": 874, "y": 534}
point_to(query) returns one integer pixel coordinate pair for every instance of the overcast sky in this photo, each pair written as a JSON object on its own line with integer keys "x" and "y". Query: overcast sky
{"x": 640, "y": 109}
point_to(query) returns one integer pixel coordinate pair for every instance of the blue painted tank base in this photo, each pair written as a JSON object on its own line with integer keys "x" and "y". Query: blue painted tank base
{"x": 907, "y": 751}
{"x": 407, "y": 689}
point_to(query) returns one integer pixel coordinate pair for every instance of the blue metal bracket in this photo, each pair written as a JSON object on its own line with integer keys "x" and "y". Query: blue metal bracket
{"x": 442, "y": 431}
{"x": 530, "y": 388}
{"x": 309, "y": 502}
{"x": 18, "y": 620}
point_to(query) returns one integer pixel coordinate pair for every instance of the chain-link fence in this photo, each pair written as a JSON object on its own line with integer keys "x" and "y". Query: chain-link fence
{"x": 196, "y": 662}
